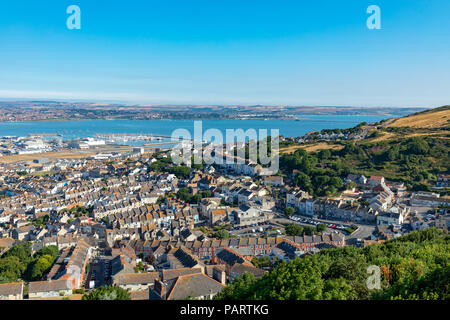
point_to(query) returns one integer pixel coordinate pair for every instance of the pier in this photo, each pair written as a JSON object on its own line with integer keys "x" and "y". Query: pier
{"x": 113, "y": 137}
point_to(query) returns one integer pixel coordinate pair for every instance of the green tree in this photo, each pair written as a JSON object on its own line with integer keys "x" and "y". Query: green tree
{"x": 41, "y": 266}
{"x": 196, "y": 199}
{"x": 222, "y": 234}
{"x": 108, "y": 293}
{"x": 182, "y": 172}
{"x": 289, "y": 211}
{"x": 261, "y": 262}
{"x": 321, "y": 227}
{"x": 309, "y": 230}
{"x": 293, "y": 229}
{"x": 11, "y": 269}
{"x": 414, "y": 266}
{"x": 324, "y": 154}
{"x": 184, "y": 194}
{"x": 238, "y": 289}
{"x": 48, "y": 250}
{"x": 21, "y": 251}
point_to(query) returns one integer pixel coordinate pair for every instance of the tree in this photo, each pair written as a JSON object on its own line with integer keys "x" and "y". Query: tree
{"x": 108, "y": 293}
{"x": 414, "y": 266}
{"x": 336, "y": 182}
{"x": 41, "y": 221}
{"x": 350, "y": 185}
{"x": 41, "y": 266}
{"x": 324, "y": 154}
{"x": 418, "y": 145}
{"x": 262, "y": 262}
{"x": 48, "y": 250}
{"x": 182, "y": 172}
{"x": 11, "y": 269}
{"x": 184, "y": 194}
{"x": 293, "y": 229}
{"x": 321, "y": 227}
{"x": 222, "y": 234}
{"x": 238, "y": 289}
{"x": 21, "y": 251}
{"x": 206, "y": 194}
{"x": 289, "y": 211}
{"x": 303, "y": 181}
{"x": 309, "y": 230}
{"x": 393, "y": 153}
{"x": 196, "y": 199}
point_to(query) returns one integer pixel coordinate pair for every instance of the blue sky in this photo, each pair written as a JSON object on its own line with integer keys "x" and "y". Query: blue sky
{"x": 244, "y": 52}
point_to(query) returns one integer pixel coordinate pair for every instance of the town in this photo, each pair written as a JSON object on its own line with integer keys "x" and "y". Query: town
{"x": 133, "y": 219}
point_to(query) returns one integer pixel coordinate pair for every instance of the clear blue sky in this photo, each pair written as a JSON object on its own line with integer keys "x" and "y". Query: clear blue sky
{"x": 274, "y": 52}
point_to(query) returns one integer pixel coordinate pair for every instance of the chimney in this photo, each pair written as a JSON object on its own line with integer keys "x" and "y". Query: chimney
{"x": 160, "y": 288}
{"x": 219, "y": 275}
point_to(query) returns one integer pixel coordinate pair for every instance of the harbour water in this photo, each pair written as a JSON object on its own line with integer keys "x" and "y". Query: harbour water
{"x": 80, "y": 129}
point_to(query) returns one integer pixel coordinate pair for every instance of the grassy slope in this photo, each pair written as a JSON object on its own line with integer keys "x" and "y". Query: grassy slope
{"x": 434, "y": 118}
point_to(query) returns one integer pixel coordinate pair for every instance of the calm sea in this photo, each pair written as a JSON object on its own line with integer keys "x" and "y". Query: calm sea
{"x": 78, "y": 129}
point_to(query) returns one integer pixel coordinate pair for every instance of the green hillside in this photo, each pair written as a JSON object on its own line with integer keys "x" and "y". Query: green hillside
{"x": 415, "y": 266}
{"x": 409, "y": 154}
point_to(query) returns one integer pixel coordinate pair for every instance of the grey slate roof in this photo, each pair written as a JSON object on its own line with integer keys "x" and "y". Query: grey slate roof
{"x": 13, "y": 288}
{"x": 195, "y": 285}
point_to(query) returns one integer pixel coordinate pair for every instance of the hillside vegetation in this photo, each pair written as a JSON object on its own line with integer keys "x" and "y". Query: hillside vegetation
{"x": 407, "y": 154}
{"x": 415, "y": 266}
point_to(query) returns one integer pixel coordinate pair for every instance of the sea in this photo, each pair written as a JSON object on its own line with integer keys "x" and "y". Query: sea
{"x": 81, "y": 129}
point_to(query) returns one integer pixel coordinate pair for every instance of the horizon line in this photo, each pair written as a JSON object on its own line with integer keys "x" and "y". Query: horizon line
{"x": 142, "y": 104}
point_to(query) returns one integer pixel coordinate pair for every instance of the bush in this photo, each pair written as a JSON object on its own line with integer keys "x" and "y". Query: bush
{"x": 108, "y": 293}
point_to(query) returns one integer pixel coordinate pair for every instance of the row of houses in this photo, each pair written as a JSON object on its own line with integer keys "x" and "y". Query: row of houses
{"x": 247, "y": 246}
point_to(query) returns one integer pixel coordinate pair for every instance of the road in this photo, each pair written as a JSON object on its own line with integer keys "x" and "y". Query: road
{"x": 364, "y": 229}
{"x": 249, "y": 229}
{"x": 362, "y": 232}
{"x": 281, "y": 220}
{"x": 99, "y": 270}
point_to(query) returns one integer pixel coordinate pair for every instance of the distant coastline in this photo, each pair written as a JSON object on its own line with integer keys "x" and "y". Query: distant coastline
{"x": 31, "y": 111}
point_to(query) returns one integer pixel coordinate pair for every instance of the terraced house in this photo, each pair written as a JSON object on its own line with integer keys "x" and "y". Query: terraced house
{"x": 254, "y": 246}
{"x": 11, "y": 291}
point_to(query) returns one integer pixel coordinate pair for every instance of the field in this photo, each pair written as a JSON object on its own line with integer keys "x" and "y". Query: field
{"x": 390, "y": 135}
{"x": 437, "y": 119}
{"x": 311, "y": 147}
